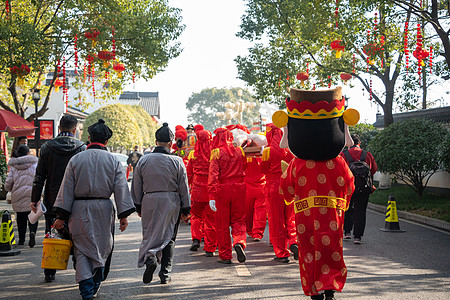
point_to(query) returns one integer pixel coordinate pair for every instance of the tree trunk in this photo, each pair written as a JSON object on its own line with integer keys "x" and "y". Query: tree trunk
{"x": 387, "y": 108}
{"x": 424, "y": 90}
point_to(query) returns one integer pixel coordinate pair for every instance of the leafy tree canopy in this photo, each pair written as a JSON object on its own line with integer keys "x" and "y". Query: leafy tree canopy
{"x": 365, "y": 131}
{"x": 126, "y": 130}
{"x": 297, "y": 37}
{"x": 204, "y": 105}
{"x": 146, "y": 123}
{"x": 410, "y": 151}
{"x": 41, "y": 35}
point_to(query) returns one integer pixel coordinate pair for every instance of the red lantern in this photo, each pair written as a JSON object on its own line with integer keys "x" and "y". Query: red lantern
{"x": 302, "y": 76}
{"x": 337, "y": 45}
{"x": 119, "y": 68}
{"x": 20, "y": 72}
{"x": 105, "y": 56}
{"x": 372, "y": 50}
{"x": 58, "y": 83}
{"x": 75, "y": 49}
{"x": 345, "y": 77}
{"x": 420, "y": 53}
{"x": 92, "y": 35}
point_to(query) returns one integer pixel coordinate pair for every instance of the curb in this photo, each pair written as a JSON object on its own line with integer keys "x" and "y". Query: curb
{"x": 436, "y": 223}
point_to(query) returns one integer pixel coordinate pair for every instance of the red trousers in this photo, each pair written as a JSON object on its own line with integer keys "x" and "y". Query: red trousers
{"x": 255, "y": 214}
{"x": 230, "y": 213}
{"x": 281, "y": 220}
{"x": 203, "y": 225}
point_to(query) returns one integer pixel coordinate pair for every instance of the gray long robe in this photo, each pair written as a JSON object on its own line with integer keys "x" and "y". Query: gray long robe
{"x": 93, "y": 175}
{"x": 160, "y": 189}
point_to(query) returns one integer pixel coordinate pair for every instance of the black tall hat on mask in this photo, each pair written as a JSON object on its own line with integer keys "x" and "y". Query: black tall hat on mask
{"x": 99, "y": 132}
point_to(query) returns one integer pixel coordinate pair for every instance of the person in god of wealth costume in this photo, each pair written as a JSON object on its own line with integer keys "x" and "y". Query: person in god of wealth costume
{"x": 281, "y": 217}
{"x": 226, "y": 188}
{"x": 319, "y": 183}
{"x": 84, "y": 199}
{"x": 203, "y": 218}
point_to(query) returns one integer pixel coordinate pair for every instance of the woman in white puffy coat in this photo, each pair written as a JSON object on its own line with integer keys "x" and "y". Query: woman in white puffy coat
{"x": 19, "y": 182}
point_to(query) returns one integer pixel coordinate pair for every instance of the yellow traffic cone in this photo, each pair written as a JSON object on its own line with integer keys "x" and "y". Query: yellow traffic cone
{"x": 7, "y": 240}
{"x": 391, "y": 222}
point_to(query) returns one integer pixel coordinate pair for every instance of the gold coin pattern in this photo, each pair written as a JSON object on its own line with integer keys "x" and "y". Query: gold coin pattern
{"x": 316, "y": 224}
{"x": 307, "y": 212}
{"x": 311, "y": 240}
{"x": 323, "y": 210}
{"x": 325, "y": 269}
{"x": 332, "y": 193}
{"x": 326, "y": 240}
{"x": 291, "y": 190}
{"x": 318, "y": 255}
{"x": 301, "y": 228}
{"x": 310, "y": 164}
{"x": 302, "y": 181}
{"x": 330, "y": 164}
{"x": 334, "y": 225}
{"x": 280, "y": 191}
{"x": 312, "y": 193}
{"x": 308, "y": 258}
{"x": 336, "y": 256}
{"x": 340, "y": 181}
{"x": 321, "y": 178}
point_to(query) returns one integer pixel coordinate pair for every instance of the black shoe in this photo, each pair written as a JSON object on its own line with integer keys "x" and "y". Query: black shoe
{"x": 150, "y": 267}
{"x": 20, "y": 243}
{"x": 49, "y": 278}
{"x": 317, "y": 297}
{"x": 294, "y": 250}
{"x": 166, "y": 280}
{"x": 32, "y": 241}
{"x": 195, "y": 245}
{"x": 224, "y": 261}
{"x": 209, "y": 254}
{"x": 240, "y": 253}
{"x": 281, "y": 259}
{"x": 329, "y": 295}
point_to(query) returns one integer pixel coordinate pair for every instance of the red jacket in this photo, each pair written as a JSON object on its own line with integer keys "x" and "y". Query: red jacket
{"x": 197, "y": 170}
{"x": 224, "y": 168}
{"x": 254, "y": 178}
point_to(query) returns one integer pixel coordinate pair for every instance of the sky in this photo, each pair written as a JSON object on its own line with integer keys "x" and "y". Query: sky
{"x": 210, "y": 46}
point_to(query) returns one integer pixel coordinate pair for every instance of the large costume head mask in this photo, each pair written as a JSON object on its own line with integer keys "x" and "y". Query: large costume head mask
{"x": 316, "y": 123}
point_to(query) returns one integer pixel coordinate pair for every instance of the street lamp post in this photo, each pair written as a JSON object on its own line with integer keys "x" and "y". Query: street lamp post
{"x": 37, "y": 134}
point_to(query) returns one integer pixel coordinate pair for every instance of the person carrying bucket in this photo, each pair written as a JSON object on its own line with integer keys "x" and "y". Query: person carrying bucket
{"x": 83, "y": 197}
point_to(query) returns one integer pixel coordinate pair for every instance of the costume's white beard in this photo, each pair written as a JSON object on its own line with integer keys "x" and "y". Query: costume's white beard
{"x": 284, "y": 139}
{"x": 348, "y": 137}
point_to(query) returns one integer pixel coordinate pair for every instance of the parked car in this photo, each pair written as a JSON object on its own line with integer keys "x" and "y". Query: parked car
{"x": 123, "y": 160}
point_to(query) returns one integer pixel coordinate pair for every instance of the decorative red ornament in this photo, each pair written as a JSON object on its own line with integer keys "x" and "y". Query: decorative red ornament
{"x": 339, "y": 46}
{"x": 84, "y": 73}
{"x": 307, "y": 68}
{"x": 134, "y": 77}
{"x": 105, "y": 56}
{"x": 93, "y": 82}
{"x": 370, "y": 90}
{"x": 372, "y": 50}
{"x": 345, "y": 77}
{"x": 405, "y": 48}
{"x": 431, "y": 59}
{"x": 354, "y": 63}
{"x": 7, "y": 9}
{"x": 336, "y": 12}
{"x": 119, "y": 68}
{"x": 92, "y": 35}
{"x": 57, "y": 84}
{"x": 113, "y": 43}
{"x": 20, "y": 72}
{"x": 75, "y": 49}
{"x": 329, "y": 81}
{"x": 302, "y": 76}
{"x": 420, "y": 53}
{"x": 64, "y": 87}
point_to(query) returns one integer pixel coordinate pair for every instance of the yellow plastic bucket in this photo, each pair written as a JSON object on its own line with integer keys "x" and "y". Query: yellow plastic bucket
{"x": 55, "y": 254}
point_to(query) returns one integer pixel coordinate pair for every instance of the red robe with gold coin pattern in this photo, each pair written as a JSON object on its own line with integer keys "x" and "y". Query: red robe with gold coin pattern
{"x": 320, "y": 192}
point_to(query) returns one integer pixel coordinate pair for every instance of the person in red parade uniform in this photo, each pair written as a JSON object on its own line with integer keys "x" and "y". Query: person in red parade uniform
{"x": 226, "y": 189}
{"x": 281, "y": 217}
{"x": 203, "y": 218}
{"x": 198, "y": 127}
{"x": 255, "y": 206}
{"x": 318, "y": 183}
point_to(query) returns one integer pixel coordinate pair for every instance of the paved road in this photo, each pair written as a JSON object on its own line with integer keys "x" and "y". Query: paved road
{"x": 410, "y": 265}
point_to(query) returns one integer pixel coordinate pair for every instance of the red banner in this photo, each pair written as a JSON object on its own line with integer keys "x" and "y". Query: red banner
{"x": 46, "y": 129}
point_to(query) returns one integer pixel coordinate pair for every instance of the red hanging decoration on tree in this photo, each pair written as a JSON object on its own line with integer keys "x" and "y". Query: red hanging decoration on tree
{"x": 64, "y": 87}
{"x": 105, "y": 56}
{"x": 119, "y": 68}
{"x": 134, "y": 79}
{"x": 7, "y": 9}
{"x": 345, "y": 77}
{"x": 354, "y": 63}
{"x": 92, "y": 35}
{"x": 339, "y": 46}
{"x": 84, "y": 73}
{"x": 336, "y": 12}
{"x": 57, "y": 84}
{"x": 420, "y": 53}
{"x": 307, "y": 68}
{"x": 370, "y": 90}
{"x": 431, "y": 59}
{"x": 75, "y": 50}
{"x": 93, "y": 81}
{"x": 113, "y": 43}
{"x": 329, "y": 81}
{"x": 302, "y": 76}
{"x": 20, "y": 72}
{"x": 405, "y": 48}
{"x": 90, "y": 59}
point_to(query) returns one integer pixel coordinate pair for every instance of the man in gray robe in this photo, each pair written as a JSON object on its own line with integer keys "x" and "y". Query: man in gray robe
{"x": 160, "y": 193}
{"x": 84, "y": 199}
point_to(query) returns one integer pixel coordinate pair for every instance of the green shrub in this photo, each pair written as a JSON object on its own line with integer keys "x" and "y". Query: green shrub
{"x": 410, "y": 151}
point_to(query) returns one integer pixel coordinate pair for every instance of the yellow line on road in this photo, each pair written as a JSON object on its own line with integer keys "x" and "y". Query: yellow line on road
{"x": 242, "y": 270}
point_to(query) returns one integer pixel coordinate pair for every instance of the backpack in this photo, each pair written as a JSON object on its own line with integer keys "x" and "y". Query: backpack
{"x": 361, "y": 172}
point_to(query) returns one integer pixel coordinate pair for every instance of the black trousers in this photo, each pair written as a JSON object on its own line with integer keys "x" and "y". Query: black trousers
{"x": 167, "y": 254}
{"x": 355, "y": 216}
{"x": 22, "y": 221}
{"x": 49, "y": 219}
